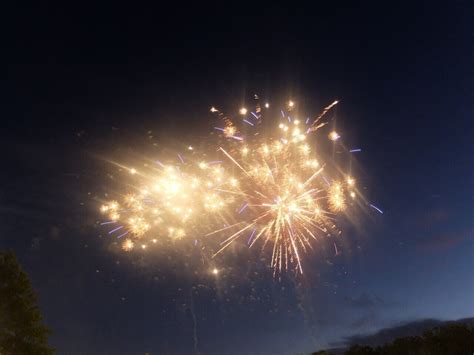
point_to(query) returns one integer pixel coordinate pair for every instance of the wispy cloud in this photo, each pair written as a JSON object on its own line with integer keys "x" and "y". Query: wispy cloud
{"x": 442, "y": 241}
{"x": 364, "y": 301}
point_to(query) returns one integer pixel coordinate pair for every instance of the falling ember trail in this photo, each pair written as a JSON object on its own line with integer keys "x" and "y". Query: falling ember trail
{"x": 316, "y": 120}
{"x": 193, "y": 314}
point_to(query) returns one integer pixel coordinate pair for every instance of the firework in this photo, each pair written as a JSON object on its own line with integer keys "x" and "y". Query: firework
{"x": 284, "y": 193}
{"x": 128, "y": 245}
{"x": 336, "y": 198}
{"x": 276, "y": 188}
{"x": 167, "y": 201}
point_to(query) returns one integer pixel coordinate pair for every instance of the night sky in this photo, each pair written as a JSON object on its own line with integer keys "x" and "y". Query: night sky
{"x": 84, "y": 83}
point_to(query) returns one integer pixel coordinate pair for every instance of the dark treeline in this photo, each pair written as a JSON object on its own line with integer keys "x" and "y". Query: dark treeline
{"x": 450, "y": 339}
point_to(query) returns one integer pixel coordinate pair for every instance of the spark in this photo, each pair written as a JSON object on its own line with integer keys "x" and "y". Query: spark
{"x": 234, "y": 161}
{"x": 251, "y": 236}
{"x": 243, "y": 207}
{"x": 115, "y": 229}
{"x": 229, "y": 131}
{"x": 122, "y": 235}
{"x": 334, "y": 136}
{"x": 108, "y": 222}
{"x": 267, "y": 105}
{"x": 243, "y": 111}
{"x": 315, "y": 126}
{"x": 336, "y": 199}
{"x": 350, "y": 181}
{"x": 128, "y": 245}
{"x": 376, "y": 208}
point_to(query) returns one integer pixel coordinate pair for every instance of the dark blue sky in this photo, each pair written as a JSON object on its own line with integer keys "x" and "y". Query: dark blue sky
{"x": 83, "y": 82}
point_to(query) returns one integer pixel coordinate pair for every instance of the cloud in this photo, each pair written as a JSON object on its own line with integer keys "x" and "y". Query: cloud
{"x": 365, "y": 310}
{"x": 442, "y": 241}
{"x": 367, "y": 320}
{"x": 432, "y": 218}
{"x": 364, "y": 301}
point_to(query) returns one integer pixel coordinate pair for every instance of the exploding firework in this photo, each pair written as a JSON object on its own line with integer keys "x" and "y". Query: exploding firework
{"x": 169, "y": 199}
{"x": 128, "y": 244}
{"x": 288, "y": 200}
{"x": 277, "y": 186}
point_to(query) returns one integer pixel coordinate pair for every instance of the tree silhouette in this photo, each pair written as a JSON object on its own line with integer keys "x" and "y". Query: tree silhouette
{"x": 448, "y": 339}
{"x": 360, "y": 350}
{"x": 21, "y": 328}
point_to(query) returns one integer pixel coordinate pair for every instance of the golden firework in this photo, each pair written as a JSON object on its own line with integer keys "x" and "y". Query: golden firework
{"x": 273, "y": 186}
{"x": 128, "y": 245}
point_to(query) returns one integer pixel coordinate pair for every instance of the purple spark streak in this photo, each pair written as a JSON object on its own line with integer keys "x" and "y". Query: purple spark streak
{"x": 307, "y": 120}
{"x": 115, "y": 229}
{"x": 237, "y": 138}
{"x": 248, "y": 122}
{"x": 289, "y": 119}
{"x": 251, "y": 236}
{"x": 180, "y": 158}
{"x": 282, "y": 114}
{"x": 376, "y": 208}
{"x": 243, "y": 207}
{"x": 108, "y": 222}
{"x": 123, "y": 234}
{"x": 355, "y": 150}
{"x": 255, "y": 115}
{"x": 219, "y": 129}
{"x": 214, "y": 162}
{"x": 160, "y": 163}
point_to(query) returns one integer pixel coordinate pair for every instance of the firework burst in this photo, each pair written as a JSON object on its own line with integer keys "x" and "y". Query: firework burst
{"x": 284, "y": 189}
{"x": 168, "y": 200}
{"x": 276, "y": 186}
